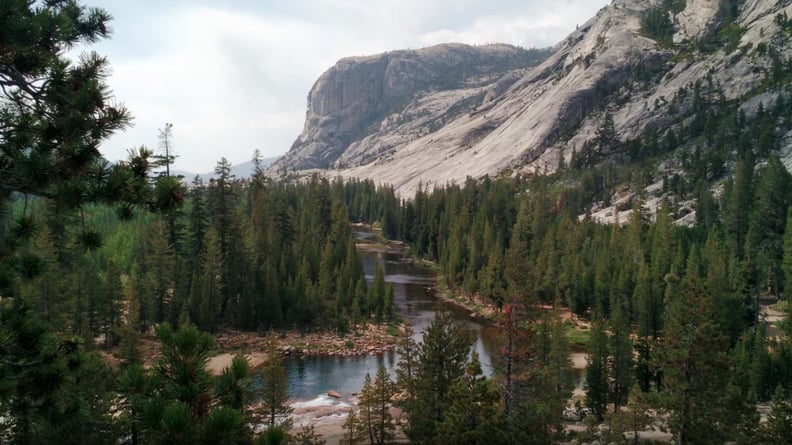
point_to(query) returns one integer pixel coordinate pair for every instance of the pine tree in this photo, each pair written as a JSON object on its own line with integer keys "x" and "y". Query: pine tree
{"x": 636, "y": 418}
{"x": 378, "y": 292}
{"x": 441, "y": 362}
{"x": 354, "y": 433}
{"x": 275, "y": 388}
{"x": 778, "y": 429}
{"x": 693, "y": 362}
{"x": 389, "y": 303}
{"x": 56, "y": 113}
{"x": 179, "y": 402}
{"x": 786, "y": 265}
{"x": 767, "y": 223}
{"x": 234, "y": 386}
{"x": 208, "y": 295}
{"x": 473, "y": 416}
{"x": 407, "y": 367}
{"x": 51, "y": 390}
{"x": 48, "y": 289}
{"x": 374, "y": 415}
{"x": 541, "y": 391}
{"x": 621, "y": 358}
{"x": 130, "y": 331}
{"x": 109, "y": 315}
{"x": 517, "y": 353}
{"x": 597, "y": 370}
{"x": 158, "y": 283}
{"x": 738, "y": 204}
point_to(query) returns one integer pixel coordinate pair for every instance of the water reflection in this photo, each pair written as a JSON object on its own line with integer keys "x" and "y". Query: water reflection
{"x": 310, "y": 377}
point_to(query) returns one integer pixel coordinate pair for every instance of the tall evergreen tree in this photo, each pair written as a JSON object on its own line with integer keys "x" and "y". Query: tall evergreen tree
{"x": 157, "y": 284}
{"x": 778, "y": 429}
{"x": 207, "y": 294}
{"x": 786, "y": 265}
{"x": 56, "y": 111}
{"x": 597, "y": 370}
{"x": 51, "y": 390}
{"x": 374, "y": 416}
{"x": 378, "y": 293}
{"x": 621, "y": 361}
{"x": 693, "y": 361}
{"x": 442, "y": 356}
{"x": 474, "y": 415}
{"x": 275, "y": 388}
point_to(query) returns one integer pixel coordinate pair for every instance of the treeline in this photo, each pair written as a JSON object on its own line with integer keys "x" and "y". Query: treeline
{"x": 246, "y": 254}
{"x": 446, "y": 398}
{"x": 662, "y": 298}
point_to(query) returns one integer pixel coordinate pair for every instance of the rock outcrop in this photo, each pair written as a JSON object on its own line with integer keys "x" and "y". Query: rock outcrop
{"x": 372, "y": 95}
{"x": 391, "y": 118}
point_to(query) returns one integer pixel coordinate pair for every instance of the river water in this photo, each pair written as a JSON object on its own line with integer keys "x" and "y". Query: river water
{"x": 310, "y": 378}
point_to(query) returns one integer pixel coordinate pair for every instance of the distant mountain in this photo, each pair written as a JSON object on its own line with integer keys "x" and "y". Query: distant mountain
{"x": 240, "y": 171}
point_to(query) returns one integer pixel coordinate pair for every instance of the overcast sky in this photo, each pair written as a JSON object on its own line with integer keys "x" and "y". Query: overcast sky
{"x": 234, "y": 75}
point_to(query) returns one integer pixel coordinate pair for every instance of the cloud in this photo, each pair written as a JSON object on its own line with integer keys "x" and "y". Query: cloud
{"x": 530, "y": 25}
{"x": 233, "y": 79}
{"x": 224, "y": 80}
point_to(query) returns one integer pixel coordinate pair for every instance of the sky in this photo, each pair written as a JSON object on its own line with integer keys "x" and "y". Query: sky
{"x": 233, "y": 76}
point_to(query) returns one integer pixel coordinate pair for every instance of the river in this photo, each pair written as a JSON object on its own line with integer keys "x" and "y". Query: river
{"x": 310, "y": 378}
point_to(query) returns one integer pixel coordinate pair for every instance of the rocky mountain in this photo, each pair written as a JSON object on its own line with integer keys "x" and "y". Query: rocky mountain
{"x": 364, "y": 107}
{"x": 641, "y": 65}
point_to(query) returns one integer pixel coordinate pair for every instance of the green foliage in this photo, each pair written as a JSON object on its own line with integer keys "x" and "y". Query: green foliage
{"x": 474, "y": 416}
{"x": 225, "y": 425}
{"x": 274, "y": 394}
{"x": 635, "y": 418}
{"x": 178, "y": 401}
{"x": 50, "y": 390}
{"x": 597, "y": 371}
{"x": 657, "y": 24}
{"x": 55, "y": 114}
{"x": 778, "y": 428}
{"x": 692, "y": 348}
{"x": 233, "y": 388}
{"x": 621, "y": 358}
{"x": 439, "y": 364}
{"x": 786, "y": 264}
{"x": 373, "y": 421}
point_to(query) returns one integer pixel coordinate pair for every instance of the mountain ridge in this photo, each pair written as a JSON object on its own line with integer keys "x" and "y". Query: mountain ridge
{"x": 240, "y": 171}
{"x": 645, "y": 75}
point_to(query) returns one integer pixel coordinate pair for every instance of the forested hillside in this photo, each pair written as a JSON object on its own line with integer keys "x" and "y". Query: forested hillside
{"x": 676, "y": 311}
{"x": 99, "y": 259}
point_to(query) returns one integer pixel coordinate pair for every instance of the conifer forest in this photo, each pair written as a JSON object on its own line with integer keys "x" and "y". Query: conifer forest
{"x": 117, "y": 278}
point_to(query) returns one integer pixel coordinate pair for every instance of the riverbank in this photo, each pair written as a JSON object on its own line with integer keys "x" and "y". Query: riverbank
{"x": 363, "y": 339}
{"x": 370, "y": 239}
{"x": 368, "y": 338}
{"x": 478, "y": 309}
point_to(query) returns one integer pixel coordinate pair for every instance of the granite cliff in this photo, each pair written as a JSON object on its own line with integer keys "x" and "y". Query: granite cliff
{"x": 360, "y": 99}
{"x": 403, "y": 118}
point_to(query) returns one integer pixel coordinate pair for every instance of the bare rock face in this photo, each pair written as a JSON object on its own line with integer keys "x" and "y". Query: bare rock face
{"x": 361, "y": 96}
{"x": 401, "y": 118}
{"x": 696, "y": 19}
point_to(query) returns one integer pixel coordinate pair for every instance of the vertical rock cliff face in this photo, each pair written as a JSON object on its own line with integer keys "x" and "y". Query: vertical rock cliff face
{"x": 413, "y": 117}
{"x": 359, "y": 95}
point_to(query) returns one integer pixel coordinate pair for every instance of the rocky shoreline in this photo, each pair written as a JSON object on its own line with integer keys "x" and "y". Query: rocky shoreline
{"x": 477, "y": 308}
{"x": 363, "y": 339}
